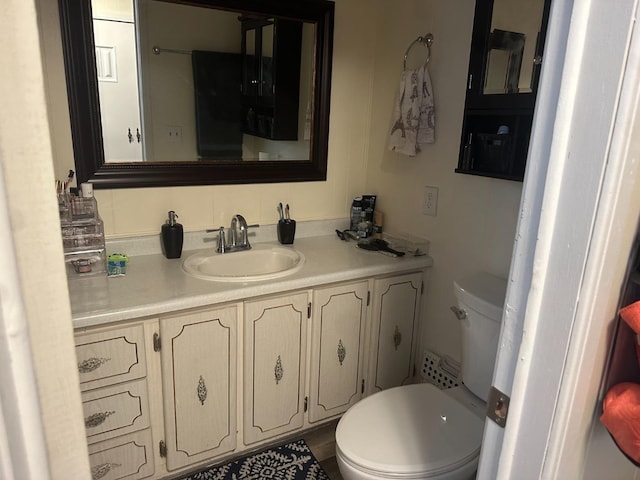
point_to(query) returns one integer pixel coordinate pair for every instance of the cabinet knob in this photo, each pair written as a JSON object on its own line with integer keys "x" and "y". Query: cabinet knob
{"x": 96, "y": 419}
{"x": 397, "y": 337}
{"x": 202, "y": 390}
{"x": 342, "y": 352}
{"x": 279, "y": 372}
{"x": 91, "y": 364}
{"x": 103, "y": 469}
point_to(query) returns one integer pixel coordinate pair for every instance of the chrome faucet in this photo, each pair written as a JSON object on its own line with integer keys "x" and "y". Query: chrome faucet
{"x": 231, "y": 243}
{"x": 238, "y": 221}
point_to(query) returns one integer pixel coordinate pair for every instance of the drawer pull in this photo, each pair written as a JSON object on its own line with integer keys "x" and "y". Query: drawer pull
{"x": 341, "y": 352}
{"x": 91, "y": 364}
{"x": 101, "y": 470}
{"x": 279, "y": 372}
{"x": 202, "y": 390}
{"x": 96, "y": 419}
{"x": 397, "y": 337}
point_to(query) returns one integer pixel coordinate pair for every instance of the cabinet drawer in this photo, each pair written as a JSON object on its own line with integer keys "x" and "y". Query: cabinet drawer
{"x": 113, "y": 411}
{"x": 123, "y": 458}
{"x": 111, "y": 356}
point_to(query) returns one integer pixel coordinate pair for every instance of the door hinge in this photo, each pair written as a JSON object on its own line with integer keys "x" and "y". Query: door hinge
{"x": 422, "y": 288}
{"x": 156, "y": 342}
{"x": 470, "y": 81}
{"x": 368, "y": 298}
{"x": 163, "y": 449}
{"x": 498, "y": 406}
{"x": 306, "y": 403}
{"x": 309, "y": 310}
{"x": 362, "y": 387}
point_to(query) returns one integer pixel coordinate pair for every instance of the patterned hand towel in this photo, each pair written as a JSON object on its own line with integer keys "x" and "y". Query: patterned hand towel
{"x": 414, "y": 113}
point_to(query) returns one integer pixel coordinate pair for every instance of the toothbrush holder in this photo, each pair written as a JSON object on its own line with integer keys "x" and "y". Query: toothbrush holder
{"x": 286, "y": 231}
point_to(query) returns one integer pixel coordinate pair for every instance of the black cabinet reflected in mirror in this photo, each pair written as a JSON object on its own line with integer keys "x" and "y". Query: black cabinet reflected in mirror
{"x": 504, "y": 67}
{"x": 226, "y": 140}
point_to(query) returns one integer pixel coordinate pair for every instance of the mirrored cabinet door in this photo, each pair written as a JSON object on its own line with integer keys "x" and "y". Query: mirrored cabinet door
{"x": 504, "y": 68}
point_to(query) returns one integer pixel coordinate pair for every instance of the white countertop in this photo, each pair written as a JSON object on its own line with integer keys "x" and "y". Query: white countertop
{"x": 155, "y": 285}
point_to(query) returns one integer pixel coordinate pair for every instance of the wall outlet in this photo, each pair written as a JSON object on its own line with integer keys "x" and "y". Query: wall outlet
{"x": 430, "y": 203}
{"x": 174, "y": 134}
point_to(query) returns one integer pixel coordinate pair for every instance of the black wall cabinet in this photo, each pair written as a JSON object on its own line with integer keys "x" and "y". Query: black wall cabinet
{"x": 504, "y": 66}
{"x": 271, "y": 77}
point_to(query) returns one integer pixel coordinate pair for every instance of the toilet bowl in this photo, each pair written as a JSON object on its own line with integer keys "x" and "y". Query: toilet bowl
{"x": 419, "y": 431}
{"x": 411, "y": 432}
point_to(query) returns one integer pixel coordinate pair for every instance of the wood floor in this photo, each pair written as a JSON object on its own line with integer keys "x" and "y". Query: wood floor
{"x": 322, "y": 443}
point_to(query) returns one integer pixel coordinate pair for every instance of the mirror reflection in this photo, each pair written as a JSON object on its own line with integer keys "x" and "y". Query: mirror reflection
{"x": 179, "y": 83}
{"x": 515, "y": 28}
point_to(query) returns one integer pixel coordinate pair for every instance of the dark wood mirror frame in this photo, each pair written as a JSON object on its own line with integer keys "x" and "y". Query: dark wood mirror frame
{"x": 84, "y": 107}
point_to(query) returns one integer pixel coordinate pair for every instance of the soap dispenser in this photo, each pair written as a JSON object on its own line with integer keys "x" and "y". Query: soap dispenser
{"x": 172, "y": 237}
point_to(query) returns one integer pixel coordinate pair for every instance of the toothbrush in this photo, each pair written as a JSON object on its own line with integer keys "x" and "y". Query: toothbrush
{"x": 281, "y": 212}
{"x": 286, "y": 213}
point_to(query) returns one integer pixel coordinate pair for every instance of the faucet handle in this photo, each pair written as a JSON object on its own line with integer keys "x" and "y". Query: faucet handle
{"x": 222, "y": 244}
{"x": 245, "y": 234}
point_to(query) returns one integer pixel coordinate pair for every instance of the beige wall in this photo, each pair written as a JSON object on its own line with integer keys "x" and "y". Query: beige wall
{"x": 476, "y": 219}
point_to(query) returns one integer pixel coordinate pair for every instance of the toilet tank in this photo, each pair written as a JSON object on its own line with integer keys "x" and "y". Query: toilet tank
{"x": 481, "y": 297}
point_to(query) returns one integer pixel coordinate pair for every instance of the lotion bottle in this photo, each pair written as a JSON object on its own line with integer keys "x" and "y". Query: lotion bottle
{"x": 172, "y": 237}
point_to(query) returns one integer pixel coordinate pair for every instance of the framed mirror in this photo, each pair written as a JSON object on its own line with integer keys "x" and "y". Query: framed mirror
{"x": 199, "y": 92}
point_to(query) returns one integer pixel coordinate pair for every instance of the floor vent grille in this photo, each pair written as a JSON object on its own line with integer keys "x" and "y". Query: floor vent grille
{"x": 443, "y": 372}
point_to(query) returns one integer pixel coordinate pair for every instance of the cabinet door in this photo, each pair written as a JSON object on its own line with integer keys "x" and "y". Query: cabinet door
{"x": 128, "y": 457}
{"x": 337, "y": 339}
{"x": 274, "y": 365}
{"x": 110, "y": 356}
{"x": 116, "y": 410}
{"x": 395, "y": 313}
{"x": 199, "y": 385}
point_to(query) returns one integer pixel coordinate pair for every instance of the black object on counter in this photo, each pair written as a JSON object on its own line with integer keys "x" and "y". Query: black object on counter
{"x": 172, "y": 237}
{"x": 286, "y": 231}
{"x": 379, "y": 245}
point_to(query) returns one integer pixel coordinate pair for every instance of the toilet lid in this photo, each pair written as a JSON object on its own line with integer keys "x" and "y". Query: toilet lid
{"x": 410, "y": 429}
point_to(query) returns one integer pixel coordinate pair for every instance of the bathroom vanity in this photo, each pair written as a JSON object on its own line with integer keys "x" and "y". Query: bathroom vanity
{"x": 177, "y": 372}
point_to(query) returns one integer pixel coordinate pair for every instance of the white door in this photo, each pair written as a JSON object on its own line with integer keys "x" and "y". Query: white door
{"x": 199, "y": 385}
{"x": 275, "y": 343}
{"x": 394, "y": 320}
{"x": 117, "y": 71}
{"x": 578, "y": 214}
{"x": 337, "y": 349}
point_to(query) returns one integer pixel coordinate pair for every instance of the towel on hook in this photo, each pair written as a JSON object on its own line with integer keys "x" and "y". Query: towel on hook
{"x": 414, "y": 113}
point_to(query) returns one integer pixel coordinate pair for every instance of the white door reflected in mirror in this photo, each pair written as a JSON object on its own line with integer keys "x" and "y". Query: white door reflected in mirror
{"x": 146, "y": 70}
{"x": 117, "y": 73}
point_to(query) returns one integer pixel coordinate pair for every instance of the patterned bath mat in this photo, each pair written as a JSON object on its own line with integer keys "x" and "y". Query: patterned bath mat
{"x": 293, "y": 461}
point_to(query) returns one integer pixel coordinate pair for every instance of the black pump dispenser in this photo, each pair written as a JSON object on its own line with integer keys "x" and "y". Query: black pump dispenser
{"x": 172, "y": 237}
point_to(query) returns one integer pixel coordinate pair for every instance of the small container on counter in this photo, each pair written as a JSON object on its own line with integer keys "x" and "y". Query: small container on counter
{"x": 117, "y": 264}
{"x": 86, "y": 263}
{"x": 286, "y": 231}
{"x": 172, "y": 237}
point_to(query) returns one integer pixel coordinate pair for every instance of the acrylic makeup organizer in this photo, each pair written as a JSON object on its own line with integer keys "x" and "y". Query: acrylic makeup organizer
{"x": 82, "y": 236}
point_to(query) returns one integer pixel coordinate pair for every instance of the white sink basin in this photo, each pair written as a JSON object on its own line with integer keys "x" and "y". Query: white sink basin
{"x": 262, "y": 262}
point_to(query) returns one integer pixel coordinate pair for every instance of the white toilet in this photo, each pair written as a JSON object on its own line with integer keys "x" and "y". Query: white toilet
{"x": 419, "y": 431}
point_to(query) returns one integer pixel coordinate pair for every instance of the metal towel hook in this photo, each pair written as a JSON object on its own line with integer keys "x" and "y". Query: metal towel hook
{"x": 426, "y": 40}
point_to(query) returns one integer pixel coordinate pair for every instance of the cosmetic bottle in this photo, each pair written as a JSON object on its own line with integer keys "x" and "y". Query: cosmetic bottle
{"x": 172, "y": 237}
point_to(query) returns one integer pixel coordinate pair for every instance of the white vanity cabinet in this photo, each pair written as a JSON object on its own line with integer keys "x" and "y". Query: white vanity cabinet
{"x": 337, "y": 349}
{"x": 275, "y": 351}
{"x": 112, "y": 370}
{"x": 199, "y": 361}
{"x": 394, "y": 327}
{"x": 182, "y": 382}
